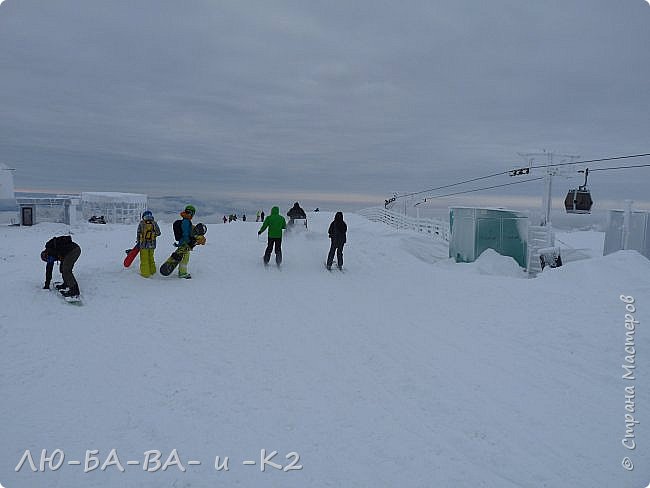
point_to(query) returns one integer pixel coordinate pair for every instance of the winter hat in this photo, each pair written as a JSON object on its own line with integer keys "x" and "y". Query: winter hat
{"x": 147, "y": 215}
{"x": 44, "y": 255}
{"x": 190, "y": 210}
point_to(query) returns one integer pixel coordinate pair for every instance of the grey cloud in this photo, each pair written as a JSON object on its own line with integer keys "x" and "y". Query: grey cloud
{"x": 348, "y": 96}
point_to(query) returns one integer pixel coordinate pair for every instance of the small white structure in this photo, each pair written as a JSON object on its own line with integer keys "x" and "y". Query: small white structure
{"x": 473, "y": 230}
{"x": 627, "y": 229}
{"x": 116, "y": 208}
{"x": 61, "y": 208}
{"x": 8, "y": 204}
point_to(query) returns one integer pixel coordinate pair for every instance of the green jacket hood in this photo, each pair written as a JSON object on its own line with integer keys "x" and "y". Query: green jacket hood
{"x": 275, "y": 223}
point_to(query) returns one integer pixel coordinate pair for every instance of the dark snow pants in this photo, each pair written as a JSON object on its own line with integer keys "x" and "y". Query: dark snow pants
{"x": 277, "y": 242}
{"x": 66, "y": 268}
{"x": 337, "y": 247}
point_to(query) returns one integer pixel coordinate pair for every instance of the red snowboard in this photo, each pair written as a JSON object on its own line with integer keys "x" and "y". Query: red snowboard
{"x": 130, "y": 255}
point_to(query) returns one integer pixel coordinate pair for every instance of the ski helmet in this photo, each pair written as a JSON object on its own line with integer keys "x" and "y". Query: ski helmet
{"x": 200, "y": 229}
{"x": 190, "y": 210}
{"x": 147, "y": 215}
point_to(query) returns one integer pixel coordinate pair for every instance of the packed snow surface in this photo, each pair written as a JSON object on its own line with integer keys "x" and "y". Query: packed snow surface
{"x": 404, "y": 370}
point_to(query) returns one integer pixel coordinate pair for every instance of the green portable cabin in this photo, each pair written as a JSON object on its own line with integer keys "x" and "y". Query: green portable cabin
{"x": 473, "y": 230}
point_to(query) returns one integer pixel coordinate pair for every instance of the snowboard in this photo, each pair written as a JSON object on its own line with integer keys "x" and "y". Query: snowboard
{"x": 72, "y": 300}
{"x": 176, "y": 257}
{"x": 131, "y": 254}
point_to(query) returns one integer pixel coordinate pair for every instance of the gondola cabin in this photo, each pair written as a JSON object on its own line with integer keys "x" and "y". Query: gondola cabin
{"x": 578, "y": 200}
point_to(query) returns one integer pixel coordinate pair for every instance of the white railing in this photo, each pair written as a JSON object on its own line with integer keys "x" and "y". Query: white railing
{"x": 434, "y": 227}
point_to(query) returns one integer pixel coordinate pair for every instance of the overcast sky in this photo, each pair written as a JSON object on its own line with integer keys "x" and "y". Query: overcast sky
{"x": 347, "y": 100}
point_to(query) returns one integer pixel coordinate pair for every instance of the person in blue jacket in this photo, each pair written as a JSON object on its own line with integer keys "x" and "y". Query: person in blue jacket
{"x": 186, "y": 226}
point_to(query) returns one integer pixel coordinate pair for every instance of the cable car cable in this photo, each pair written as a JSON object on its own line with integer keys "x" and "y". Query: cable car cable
{"x": 536, "y": 167}
{"x": 486, "y": 188}
{"x": 621, "y": 167}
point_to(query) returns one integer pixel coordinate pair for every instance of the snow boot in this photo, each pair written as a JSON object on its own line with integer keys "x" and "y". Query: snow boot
{"x": 71, "y": 293}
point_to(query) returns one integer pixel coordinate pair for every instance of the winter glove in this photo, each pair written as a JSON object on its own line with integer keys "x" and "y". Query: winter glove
{"x": 200, "y": 240}
{"x": 259, "y": 233}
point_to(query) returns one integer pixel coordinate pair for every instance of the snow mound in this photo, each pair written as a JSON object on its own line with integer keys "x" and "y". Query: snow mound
{"x": 406, "y": 369}
{"x": 492, "y": 263}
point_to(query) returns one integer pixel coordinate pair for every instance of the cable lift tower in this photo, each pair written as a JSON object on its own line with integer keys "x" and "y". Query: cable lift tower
{"x": 552, "y": 168}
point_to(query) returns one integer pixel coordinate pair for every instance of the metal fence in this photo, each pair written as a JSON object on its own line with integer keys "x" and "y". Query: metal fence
{"x": 434, "y": 227}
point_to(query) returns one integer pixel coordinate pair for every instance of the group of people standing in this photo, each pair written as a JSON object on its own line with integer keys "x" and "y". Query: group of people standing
{"x": 275, "y": 223}
{"x": 66, "y": 252}
{"x": 148, "y": 231}
{"x": 233, "y": 218}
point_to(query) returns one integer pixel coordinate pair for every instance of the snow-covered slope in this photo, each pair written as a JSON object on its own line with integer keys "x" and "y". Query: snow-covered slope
{"x": 405, "y": 370}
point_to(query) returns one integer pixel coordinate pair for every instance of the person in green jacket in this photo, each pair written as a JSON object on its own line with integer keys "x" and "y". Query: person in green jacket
{"x": 275, "y": 223}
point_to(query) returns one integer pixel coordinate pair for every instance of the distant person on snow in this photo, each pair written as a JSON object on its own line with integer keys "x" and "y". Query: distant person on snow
{"x": 262, "y": 216}
{"x": 243, "y": 217}
{"x": 225, "y": 219}
{"x": 148, "y": 230}
{"x": 296, "y": 212}
{"x": 64, "y": 250}
{"x": 275, "y": 223}
{"x": 257, "y": 216}
{"x": 337, "y": 232}
{"x": 186, "y": 227}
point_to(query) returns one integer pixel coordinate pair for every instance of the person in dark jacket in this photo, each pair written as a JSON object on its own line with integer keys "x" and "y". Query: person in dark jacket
{"x": 337, "y": 232}
{"x": 64, "y": 250}
{"x": 296, "y": 212}
{"x": 275, "y": 223}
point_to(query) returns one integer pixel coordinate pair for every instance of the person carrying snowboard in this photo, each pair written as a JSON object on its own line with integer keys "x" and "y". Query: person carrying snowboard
{"x": 184, "y": 244}
{"x": 148, "y": 230}
{"x": 275, "y": 224}
{"x": 64, "y": 250}
{"x": 337, "y": 232}
{"x": 186, "y": 235}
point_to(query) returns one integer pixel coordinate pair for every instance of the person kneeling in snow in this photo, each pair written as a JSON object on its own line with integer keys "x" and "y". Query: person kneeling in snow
{"x": 64, "y": 250}
{"x": 148, "y": 230}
